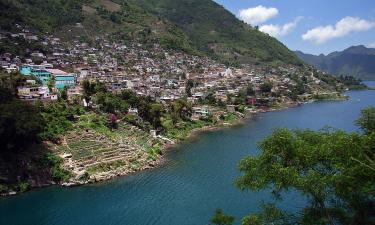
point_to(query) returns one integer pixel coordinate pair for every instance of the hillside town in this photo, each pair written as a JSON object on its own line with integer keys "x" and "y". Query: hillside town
{"x": 148, "y": 71}
{"x": 83, "y": 88}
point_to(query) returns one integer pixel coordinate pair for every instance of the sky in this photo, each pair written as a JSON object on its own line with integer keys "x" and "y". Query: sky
{"x": 311, "y": 26}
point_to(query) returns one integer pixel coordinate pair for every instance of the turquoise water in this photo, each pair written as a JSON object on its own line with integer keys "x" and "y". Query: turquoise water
{"x": 197, "y": 178}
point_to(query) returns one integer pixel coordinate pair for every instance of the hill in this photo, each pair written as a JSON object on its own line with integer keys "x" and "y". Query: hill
{"x": 197, "y": 27}
{"x": 357, "y": 61}
{"x": 70, "y": 19}
{"x": 219, "y": 33}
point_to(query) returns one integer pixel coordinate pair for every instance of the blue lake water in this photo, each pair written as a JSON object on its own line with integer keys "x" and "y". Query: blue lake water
{"x": 196, "y": 179}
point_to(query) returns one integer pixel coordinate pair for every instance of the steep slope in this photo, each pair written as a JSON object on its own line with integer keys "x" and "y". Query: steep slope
{"x": 194, "y": 26}
{"x": 357, "y": 61}
{"x": 219, "y": 33}
{"x": 122, "y": 18}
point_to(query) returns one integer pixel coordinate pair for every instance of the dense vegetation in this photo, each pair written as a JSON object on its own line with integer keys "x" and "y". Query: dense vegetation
{"x": 123, "y": 19}
{"x": 219, "y": 33}
{"x": 356, "y": 61}
{"x": 333, "y": 169}
{"x": 23, "y": 127}
{"x": 197, "y": 27}
{"x": 40, "y": 14}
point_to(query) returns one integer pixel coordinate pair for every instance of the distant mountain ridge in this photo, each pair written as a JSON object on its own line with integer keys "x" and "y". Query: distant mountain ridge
{"x": 356, "y": 61}
{"x": 194, "y": 26}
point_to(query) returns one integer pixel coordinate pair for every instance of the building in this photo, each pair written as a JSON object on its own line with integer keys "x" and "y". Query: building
{"x": 62, "y": 79}
{"x": 44, "y": 73}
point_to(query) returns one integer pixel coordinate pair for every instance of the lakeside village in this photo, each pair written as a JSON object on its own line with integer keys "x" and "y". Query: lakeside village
{"x": 111, "y": 81}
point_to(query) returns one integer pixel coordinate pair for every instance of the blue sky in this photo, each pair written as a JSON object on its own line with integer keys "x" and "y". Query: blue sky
{"x": 312, "y": 26}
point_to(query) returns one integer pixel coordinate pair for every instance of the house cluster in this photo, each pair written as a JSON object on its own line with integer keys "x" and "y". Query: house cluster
{"x": 149, "y": 70}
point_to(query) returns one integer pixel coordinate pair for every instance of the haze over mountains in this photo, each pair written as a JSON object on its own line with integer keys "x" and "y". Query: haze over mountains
{"x": 357, "y": 61}
{"x": 194, "y": 26}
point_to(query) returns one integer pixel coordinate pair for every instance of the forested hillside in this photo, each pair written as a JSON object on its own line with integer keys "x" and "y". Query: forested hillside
{"x": 197, "y": 27}
{"x": 216, "y": 31}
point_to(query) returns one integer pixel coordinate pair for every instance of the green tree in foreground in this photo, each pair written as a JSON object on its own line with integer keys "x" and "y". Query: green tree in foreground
{"x": 333, "y": 169}
{"x": 367, "y": 120}
{"x": 222, "y": 219}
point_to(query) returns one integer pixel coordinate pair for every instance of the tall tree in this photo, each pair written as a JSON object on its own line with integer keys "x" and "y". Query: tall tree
{"x": 333, "y": 169}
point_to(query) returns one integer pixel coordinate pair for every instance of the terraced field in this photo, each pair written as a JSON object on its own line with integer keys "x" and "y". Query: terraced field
{"x": 93, "y": 153}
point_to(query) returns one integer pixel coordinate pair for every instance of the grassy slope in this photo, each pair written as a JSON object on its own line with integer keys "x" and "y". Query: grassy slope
{"x": 216, "y": 31}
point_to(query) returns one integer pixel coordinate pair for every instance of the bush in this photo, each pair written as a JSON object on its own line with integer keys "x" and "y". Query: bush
{"x": 57, "y": 172}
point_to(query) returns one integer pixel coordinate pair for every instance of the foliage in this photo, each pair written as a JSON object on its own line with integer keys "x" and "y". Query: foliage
{"x": 189, "y": 86}
{"x": 270, "y": 214}
{"x": 9, "y": 83}
{"x": 63, "y": 95}
{"x": 222, "y": 219}
{"x": 154, "y": 152}
{"x": 59, "y": 118}
{"x": 367, "y": 120}
{"x": 24, "y": 186}
{"x": 55, "y": 163}
{"x": 352, "y": 82}
{"x": 41, "y": 14}
{"x": 20, "y": 123}
{"x": 111, "y": 103}
{"x": 266, "y": 87}
{"x": 321, "y": 165}
{"x": 250, "y": 90}
{"x": 180, "y": 110}
{"x": 51, "y": 83}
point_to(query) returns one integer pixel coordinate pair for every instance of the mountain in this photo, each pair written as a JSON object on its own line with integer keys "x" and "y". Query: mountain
{"x": 357, "y": 61}
{"x": 195, "y": 26}
{"x": 218, "y": 32}
{"x": 86, "y": 18}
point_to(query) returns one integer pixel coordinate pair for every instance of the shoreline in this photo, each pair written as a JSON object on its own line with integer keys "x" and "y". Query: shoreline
{"x": 160, "y": 160}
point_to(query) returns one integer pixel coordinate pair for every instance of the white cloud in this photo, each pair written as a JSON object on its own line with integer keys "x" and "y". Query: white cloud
{"x": 345, "y": 26}
{"x": 280, "y": 30}
{"x": 258, "y": 15}
{"x": 371, "y": 45}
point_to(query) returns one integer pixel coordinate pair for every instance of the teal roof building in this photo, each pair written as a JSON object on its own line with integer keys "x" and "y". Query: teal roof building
{"x": 45, "y": 72}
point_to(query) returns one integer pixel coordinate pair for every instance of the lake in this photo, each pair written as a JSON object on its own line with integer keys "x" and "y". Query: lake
{"x": 197, "y": 178}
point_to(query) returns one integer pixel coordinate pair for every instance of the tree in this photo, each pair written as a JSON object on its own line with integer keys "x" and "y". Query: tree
{"x": 222, "y": 219}
{"x": 88, "y": 89}
{"x": 51, "y": 83}
{"x": 130, "y": 97}
{"x": 64, "y": 93}
{"x": 250, "y": 90}
{"x": 180, "y": 110}
{"x": 110, "y": 103}
{"x": 20, "y": 125}
{"x": 189, "y": 86}
{"x": 325, "y": 166}
{"x": 10, "y": 81}
{"x": 367, "y": 120}
{"x": 334, "y": 169}
{"x": 266, "y": 87}
{"x": 156, "y": 112}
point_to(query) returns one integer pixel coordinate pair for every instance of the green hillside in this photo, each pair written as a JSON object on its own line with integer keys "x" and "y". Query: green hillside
{"x": 194, "y": 26}
{"x": 216, "y": 31}
{"x": 122, "y": 18}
